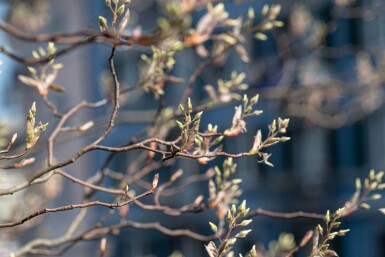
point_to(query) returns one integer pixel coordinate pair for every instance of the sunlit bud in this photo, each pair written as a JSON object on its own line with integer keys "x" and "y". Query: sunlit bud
{"x": 231, "y": 241}
{"x": 102, "y": 23}
{"x": 358, "y": 184}
{"x": 189, "y": 104}
{"x": 243, "y": 233}
{"x": 251, "y": 13}
{"x": 343, "y": 232}
{"x": 31, "y": 70}
{"x": 233, "y": 209}
{"x": 376, "y": 197}
{"x": 13, "y": 139}
{"x": 213, "y": 227}
{"x": 86, "y": 126}
{"x": 245, "y": 222}
{"x": 120, "y": 10}
{"x": 265, "y": 10}
{"x": 35, "y": 55}
{"x": 327, "y": 216}
{"x": 103, "y": 246}
{"x": 320, "y": 229}
{"x": 155, "y": 181}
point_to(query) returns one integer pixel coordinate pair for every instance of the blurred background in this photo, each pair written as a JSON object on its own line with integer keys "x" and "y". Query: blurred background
{"x": 324, "y": 70}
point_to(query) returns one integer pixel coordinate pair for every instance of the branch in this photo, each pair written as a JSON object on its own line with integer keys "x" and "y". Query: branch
{"x": 282, "y": 215}
{"x": 116, "y": 98}
{"x": 74, "y": 40}
{"x": 76, "y": 206}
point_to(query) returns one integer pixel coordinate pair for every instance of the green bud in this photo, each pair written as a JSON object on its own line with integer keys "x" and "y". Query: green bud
{"x": 376, "y": 197}
{"x": 327, "y": 216}
{"x": 236, "y": 181}
{"x": 229, "y": 216}
{"x": 120, "y": 10}
{"x": 51, "y": 48}
{"x": 243, "y": 233}
{"x": 242, "y": 206}
{"x": 33, "y": 108}
{"x": 102, "y": 23}
{"x": 260, "y": 36}
{"x": 213, "y": 227}
{"x": 358, "y": 184}
{"x": 180, "y": 124}
{"x": 32, "y": 70}
{"x": 233, "y": 209}
{"x": 343, "y": 232}
{"x": 265, "y": 10}
{"x": 245, "y": 223}
{"x": 57, "y": 66}
{"x": 35, "y": 55}
{"x": 180, "y": 106}
{"x": 320, "y": 229}
{"x": 254, "y": 99}
{"x": 189, "y": 105}
{"x": 250, "y": 13}
{"x": 231, "y": 241}
{"x": 198, "y": 115}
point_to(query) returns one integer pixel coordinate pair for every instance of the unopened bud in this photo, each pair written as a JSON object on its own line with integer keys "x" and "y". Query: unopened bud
{"x": 358, "y": 184}
{"x": 102, "y": 23}
{"x": 103, "y": 246}
{"x": 120, "y": 10}
{"x": 245, "y": 222}
{"x": 86, "y": 126}
{"x": 13, "y": 139}
{"x": 155, "y": 181}
{"x": 243, "y": 233}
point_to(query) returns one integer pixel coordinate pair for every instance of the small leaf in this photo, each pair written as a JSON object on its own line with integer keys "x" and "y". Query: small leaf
{"x": 56, "y": 88}
{"x": 28, "y": 80}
